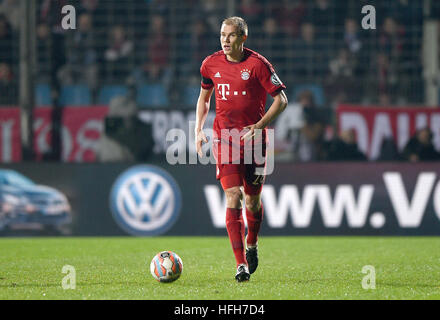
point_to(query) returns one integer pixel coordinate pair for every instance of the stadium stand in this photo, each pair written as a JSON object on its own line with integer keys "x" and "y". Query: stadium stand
{"x": 317, "y": 47}
{"x": 152, "y": 95}
{"x": 43, "y": 95}
{"x": 316, "y": 42}
{"x": 75, "y": 95}
{"x": 110, "y": 91}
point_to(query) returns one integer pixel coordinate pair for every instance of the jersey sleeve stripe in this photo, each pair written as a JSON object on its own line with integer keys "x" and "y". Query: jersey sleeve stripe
{"x": 278, "y": 90}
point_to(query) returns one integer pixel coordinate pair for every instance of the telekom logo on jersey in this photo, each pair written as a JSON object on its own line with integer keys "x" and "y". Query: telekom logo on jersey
{"x": 223, "y": 89}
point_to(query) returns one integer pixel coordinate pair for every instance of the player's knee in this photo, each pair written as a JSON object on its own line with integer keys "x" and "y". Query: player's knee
{"x": 233, "y": 197}
{"x": 253, "y": 203}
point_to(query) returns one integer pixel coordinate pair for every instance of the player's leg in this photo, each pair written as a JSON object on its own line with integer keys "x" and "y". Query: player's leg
{"x": 254, "y": 216}
{"x": 253, "y": 185}
{"x": 235, "y": 223}
{"x": 231, "y": 184}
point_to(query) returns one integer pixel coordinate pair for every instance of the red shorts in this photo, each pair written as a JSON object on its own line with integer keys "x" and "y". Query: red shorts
{"x": 237, "y": 174}
{"x": 234, "y": 175}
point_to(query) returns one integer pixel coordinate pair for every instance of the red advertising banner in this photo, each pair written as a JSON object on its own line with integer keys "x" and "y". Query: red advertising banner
{"x": 84, "y": 129}
{"x": 373, "y": 124}
{"x": 10, "y": 143}
{"x": 81, "y": 131}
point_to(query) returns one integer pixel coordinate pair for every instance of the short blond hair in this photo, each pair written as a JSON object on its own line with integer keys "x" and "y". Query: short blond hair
{"x": 238, "y": 22}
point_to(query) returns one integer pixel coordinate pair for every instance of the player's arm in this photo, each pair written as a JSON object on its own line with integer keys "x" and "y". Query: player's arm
{"x": 202, "y": 110}
{"x": 279, "y": 104}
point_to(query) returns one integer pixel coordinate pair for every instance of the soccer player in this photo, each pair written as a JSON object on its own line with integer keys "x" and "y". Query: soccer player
{"x": 241, "y": 79}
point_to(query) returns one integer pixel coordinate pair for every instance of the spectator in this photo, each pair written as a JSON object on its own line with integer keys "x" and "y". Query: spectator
{"x": 125, "y": 137}
{"x": 398, "y": 42}
{"x": 310, "y": 56}
{"x": 252, "y": 10}
{"x": 389, "y": 151}
{"x": 345, "y": 148}
{"x": 11, "y": 9}
{"x": 50, "y": 13}
{"x": 420, "y": 147}
{"x": 383, "y": 78}
{"x": 326, "y": 17}
{"x": 356, "y": 43}
{"x": 409, "y": 17}
{"x": 157, "y": 65}
{"x": 342, "y": 85}
{"x": 352, "y": 39}
{"x": 82, "y": 55}
{"x": 6, "y": 45}
{"x": 213, "y": 11}
{"x": 159, "y": 7}
{"x": 113, "y": 144}
{"x": 200, "y": 39}
{"x": 308, "y": 105}
{"x": 8, "y": 88}
{"x": 5, "y": 74}
{"x": 43, "y": 52}
{"x": 290, "y": 15}
{"x": 272, "y": 43}
{"x": 197, "y": 43}
{"x": 8, "y": 92}
{"x": 391, "y": 39}
{"x": 309, "y": 142}
{"x": 405, "y": 12}
{"x": 89, "y": 6}
{"x": 118, "y": 53}
{"x": 343, "y": 66}
{"x": 384, "y": 100}
{"x": 96, "y": 9}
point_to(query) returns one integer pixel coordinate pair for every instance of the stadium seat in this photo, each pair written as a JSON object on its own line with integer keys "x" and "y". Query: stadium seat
{"x": 152, "y": 95}
{"x": 317, "y": 91}
{"x": 75, "y": 95}
{"x": 190, "y": 95}
{"x": 107, "y": 93}
{"x": 42, "y": 95}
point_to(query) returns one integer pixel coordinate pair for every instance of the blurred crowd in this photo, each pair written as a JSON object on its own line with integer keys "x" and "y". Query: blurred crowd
{"x": 316, "y": 41}
{"x": 313, "y": 139}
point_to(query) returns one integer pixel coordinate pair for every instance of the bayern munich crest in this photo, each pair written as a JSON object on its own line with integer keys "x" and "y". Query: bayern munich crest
{"x": 245, "y": 74}
{"x": 145, "y": 200}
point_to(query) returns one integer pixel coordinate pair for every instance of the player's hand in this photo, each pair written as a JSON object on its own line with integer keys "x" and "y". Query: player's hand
{"x": 252, "y": 133}
{"x": 200, "y": 138}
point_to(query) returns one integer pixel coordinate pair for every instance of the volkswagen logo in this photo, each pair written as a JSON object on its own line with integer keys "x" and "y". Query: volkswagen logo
{"x": 145, "y": 200}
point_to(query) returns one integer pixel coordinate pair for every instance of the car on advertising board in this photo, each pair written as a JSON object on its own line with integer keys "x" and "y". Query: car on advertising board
{"x": 27, "y": 205}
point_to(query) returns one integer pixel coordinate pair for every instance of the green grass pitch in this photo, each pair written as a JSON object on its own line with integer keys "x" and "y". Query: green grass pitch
{"x": 290, "y": 268}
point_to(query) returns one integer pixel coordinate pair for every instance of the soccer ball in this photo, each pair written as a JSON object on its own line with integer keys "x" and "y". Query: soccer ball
{"x": 166, "y": 266}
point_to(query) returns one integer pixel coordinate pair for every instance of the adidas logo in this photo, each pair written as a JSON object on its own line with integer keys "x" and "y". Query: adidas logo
{"x": 217, "y": 75}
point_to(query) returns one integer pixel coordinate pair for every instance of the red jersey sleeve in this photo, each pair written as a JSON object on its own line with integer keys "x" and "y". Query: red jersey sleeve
{"x": 206, "y": 82}
{"x": 269, "y": 79}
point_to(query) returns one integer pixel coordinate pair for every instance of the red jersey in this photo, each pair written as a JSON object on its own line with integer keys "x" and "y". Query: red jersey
{"x": 240, "y": 88}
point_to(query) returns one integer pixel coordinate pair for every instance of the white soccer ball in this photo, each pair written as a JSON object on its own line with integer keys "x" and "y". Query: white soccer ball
{"x": 166, "y": 266}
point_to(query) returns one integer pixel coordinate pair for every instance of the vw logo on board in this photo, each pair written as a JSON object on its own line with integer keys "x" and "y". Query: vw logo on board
{"x": 145, "y": 200}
